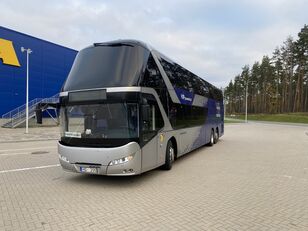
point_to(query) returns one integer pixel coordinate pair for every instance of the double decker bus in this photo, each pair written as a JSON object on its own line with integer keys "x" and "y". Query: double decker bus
{"x": 126, "y": 108}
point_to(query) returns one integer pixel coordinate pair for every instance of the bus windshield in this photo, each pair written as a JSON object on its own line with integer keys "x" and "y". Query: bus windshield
{"x": 106, "y": 66}
{"x": 100, "y": 121}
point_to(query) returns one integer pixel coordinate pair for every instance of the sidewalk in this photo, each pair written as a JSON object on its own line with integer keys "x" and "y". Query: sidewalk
{"x": 12, "y": 135}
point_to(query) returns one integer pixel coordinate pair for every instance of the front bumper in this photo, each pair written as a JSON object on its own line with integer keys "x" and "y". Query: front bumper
{"x": 75, "y": 158}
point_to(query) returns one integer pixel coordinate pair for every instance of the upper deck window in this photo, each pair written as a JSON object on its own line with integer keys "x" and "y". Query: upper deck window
{"x": 103, "y": 66}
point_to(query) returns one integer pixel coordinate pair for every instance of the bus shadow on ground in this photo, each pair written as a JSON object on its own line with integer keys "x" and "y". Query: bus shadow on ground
{"x": 116, "y": 181}
{"x": 194, "y": 154}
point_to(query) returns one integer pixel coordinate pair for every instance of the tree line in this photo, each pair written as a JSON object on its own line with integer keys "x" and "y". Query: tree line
{"x": 277, "y": 84}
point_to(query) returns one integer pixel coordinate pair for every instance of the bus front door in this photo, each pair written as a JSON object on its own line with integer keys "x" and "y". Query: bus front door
{"x": 149, "y": 138}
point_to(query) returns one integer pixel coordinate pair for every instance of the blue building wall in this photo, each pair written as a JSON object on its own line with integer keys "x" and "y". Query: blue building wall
{"x": 48, "y": 68}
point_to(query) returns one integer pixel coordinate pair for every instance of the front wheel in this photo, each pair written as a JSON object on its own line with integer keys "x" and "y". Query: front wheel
{"x": 169, "y": 156}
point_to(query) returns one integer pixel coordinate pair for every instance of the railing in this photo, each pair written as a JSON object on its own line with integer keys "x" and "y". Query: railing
{"x": 20, "y": 109}
{"x": 18, "y": 115}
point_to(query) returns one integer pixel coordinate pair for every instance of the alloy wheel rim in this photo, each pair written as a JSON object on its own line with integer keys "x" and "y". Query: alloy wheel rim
{"x": 171, "y": 152}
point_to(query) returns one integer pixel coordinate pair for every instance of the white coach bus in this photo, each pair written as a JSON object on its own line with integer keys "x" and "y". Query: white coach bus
{"x": 125, "y": 108}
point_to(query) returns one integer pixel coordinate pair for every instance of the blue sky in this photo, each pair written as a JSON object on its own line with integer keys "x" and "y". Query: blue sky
{"x": 213, "y": 39}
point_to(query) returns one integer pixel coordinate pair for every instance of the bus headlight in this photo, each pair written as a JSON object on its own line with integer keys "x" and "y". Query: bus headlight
{"x": 121, "y": 160}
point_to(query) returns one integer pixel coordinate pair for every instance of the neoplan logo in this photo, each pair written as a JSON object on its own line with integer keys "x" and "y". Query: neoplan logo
{"x": 7, "y": 53}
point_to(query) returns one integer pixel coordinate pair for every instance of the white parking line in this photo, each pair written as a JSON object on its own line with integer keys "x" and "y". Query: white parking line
{"x": 21, "y": 153}
{"x": 22, "y": 149}
{"x": 12, "y": 154}
{"x": 32, "y": 168}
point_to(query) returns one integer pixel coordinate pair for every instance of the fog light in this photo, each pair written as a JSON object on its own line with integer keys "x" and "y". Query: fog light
{"x": 64, "y": 158}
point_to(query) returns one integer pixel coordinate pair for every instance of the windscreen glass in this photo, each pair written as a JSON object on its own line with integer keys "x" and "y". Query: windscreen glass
{"x": 106, "y": 66}
{"x": 100, "y": 121}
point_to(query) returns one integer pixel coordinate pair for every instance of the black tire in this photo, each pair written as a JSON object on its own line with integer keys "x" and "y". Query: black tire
{"x": 169, "y": 156}
{"x": 211, "y": 143}
{"x": 216, "y": 136}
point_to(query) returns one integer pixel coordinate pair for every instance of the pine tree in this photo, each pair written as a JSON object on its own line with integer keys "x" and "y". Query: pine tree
{"x": 301, "y": 57}
{"x": 275, "y": 85}
{"x": 254, "y": 88}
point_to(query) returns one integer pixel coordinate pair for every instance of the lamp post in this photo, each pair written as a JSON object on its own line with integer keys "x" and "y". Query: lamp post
{"x": 246, "y": 114}
{"x": 29, "y": 51}
{"x": 224, "y": 102}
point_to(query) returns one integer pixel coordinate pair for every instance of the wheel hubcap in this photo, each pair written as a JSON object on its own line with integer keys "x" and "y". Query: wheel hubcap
{"x": 171, "y": 152}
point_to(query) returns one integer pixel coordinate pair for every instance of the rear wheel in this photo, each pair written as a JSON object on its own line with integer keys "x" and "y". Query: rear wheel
{"x": 169, "y": 156}
{"x": 212, "y": 139}
{"x": 216, "y": 136}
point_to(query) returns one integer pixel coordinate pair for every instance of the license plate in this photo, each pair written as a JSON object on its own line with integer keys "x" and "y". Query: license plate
{"x": 88, "y": 170}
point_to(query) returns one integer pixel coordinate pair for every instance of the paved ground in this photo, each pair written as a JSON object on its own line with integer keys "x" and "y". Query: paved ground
{"x": 35, "y": 134}
{"x": 255, "y": 178}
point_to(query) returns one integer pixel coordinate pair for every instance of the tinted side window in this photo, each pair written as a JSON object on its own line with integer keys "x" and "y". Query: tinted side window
{"x": 218, "y": 95}
{"x": 205, "y": 89}
{"x": 183, "y": 116}
{"x": 179, "y": 76}
{"x": 169, "y": 69}
{"x": 152, "y": 78}
{"x": 184, "y": 79}
{"x": 200, "y": 86}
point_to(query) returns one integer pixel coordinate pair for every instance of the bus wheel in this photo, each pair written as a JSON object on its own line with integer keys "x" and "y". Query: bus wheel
{"x": 216, "y": 136}
{"x": 212, "y": 139}
{"x": 169, "y": 156}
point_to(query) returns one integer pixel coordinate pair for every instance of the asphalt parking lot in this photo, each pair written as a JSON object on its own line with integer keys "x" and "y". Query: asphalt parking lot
{"x": 254, "y": 178}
